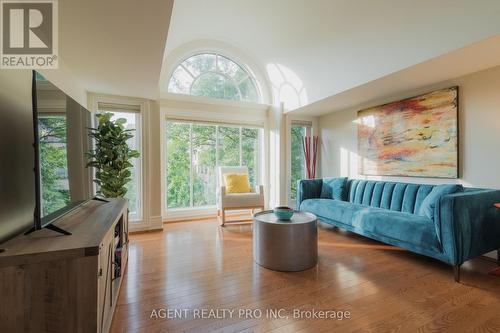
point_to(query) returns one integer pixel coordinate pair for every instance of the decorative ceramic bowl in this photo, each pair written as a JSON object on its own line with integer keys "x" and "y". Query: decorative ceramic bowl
{"x": 283, "y": 212}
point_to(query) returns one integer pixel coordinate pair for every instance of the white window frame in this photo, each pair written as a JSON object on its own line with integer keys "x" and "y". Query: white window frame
{"x": 249, "y": 76}
{"x": 138, "y": 214}
{"x": 206, "y": 210}
{"x": 141, "y": 220}
{"x": 310, "y": 131}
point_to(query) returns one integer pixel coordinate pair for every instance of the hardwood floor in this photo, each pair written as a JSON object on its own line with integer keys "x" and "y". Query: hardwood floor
{"x": 198, "y": 265}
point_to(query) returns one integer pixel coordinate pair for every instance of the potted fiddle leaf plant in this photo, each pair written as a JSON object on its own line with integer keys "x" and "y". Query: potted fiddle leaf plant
{"x": 111, "y": 156}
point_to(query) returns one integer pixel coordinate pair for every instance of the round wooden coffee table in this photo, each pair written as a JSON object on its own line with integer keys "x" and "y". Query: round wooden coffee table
{"x": 285, "y": 245}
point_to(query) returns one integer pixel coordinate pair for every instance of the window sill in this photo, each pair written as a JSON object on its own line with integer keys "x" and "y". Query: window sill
{"x": 189, "y": 213}
{"x": 177, "y": 214}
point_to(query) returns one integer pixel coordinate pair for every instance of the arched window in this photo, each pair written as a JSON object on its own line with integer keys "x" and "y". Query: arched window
{"x": 213, "y": 75}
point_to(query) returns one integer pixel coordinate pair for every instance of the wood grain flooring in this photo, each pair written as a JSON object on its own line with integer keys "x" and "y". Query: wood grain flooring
{"x": 198, "y": 265}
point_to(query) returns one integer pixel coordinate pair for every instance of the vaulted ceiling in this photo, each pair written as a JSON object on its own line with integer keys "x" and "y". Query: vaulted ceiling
{"x": 330, "y": 46}
{"x": 317, "y": 48}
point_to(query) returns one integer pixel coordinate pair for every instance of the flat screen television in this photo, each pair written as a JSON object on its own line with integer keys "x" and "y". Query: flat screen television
{"x": 62, "y": 182}
{"x": 44, "y": 140}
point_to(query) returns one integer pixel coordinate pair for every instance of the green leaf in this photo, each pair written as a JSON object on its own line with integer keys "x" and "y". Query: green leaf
{"x": 112, "y": 155}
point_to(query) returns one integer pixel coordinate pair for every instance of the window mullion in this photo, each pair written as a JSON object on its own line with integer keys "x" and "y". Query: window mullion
{"x": 188, "y": 71}
{"x": 188, "y": 88}
{"x": 258, "y": 158}
{"x": 190, "y": 165}
{"x": 242, "y": 80}
{"x": 241, "y": 146}
{"x": 217, "y": 182}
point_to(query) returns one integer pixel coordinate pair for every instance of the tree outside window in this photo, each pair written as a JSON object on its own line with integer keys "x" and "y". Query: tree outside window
{"x": 297, "y": 160}
{"x": 53, "y": 162}
{"x": 216, "y": 76}
{"x": 194, "y": 152}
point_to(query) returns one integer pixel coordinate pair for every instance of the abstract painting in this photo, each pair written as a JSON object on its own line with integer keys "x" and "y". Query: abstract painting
{"x": 416, "y": 137}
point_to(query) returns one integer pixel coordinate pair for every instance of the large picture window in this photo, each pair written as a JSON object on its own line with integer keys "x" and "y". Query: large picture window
{"x": 194, "y": 152}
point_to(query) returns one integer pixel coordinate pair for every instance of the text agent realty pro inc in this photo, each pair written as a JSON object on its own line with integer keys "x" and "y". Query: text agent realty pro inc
{"x": 242, "y": 313}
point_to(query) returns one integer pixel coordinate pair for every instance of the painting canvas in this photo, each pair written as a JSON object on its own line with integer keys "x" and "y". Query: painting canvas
{"x": 415, "y": 137}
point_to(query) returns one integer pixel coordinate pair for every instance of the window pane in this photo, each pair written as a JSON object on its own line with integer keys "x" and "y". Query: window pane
{"x": 250, "y": 150}
{"x": 200, "y": 63}
{"x": 248, "y": 90}
{"x": 203, "y": 164}
{"x": 133, "y": 187}
{"x": 297, "y": 158}
{"x": 216, "y": 86}
{"x": 192, "y": 165}
{"x": 53, "y": 163}
{"x": 229, "y": 146}
{"x": 178, "y": 163}
{"x": 231, "y": 69}
{"x": 180, "y": 82}
{"x": 213, "y": 76}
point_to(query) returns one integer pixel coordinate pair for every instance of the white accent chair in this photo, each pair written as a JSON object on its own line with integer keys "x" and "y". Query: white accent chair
{"x": 237, "y": 201}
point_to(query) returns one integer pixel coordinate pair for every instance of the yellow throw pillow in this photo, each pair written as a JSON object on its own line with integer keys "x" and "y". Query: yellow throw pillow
{"x": 237, "y": 183}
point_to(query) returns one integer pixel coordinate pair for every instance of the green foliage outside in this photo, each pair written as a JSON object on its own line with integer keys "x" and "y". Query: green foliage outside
{"x": 53, "y": 163}
{"x": 194, "y": 151}
{"x": 178, "y": 165}
{"x": 204, "y": 170}
{"x": 297, "y": 158}
{"x": 202, "y": 166}
{"x": 112, "y": 155}
{"x": 213, "y": 76}
{"x": 131, "y": 194}
{"x": 216, "y": 86}
{"x": 250, "y": 149}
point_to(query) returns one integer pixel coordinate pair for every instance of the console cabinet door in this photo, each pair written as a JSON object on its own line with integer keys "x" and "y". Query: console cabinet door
{"x": 105, "y": 273}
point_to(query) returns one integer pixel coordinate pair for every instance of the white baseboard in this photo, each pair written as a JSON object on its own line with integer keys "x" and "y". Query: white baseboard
{"x": 175, "y": 215}
{"x": 153, "y": 223}
{"x": 180, "y": 214}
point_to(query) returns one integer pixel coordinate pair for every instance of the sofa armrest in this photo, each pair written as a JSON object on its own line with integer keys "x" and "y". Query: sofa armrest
{"x": 468, "y": 225}
{"x": 308, "y": 189}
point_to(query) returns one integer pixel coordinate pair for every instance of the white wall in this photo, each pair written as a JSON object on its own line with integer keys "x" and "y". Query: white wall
{"x": 154, "y": 165}
{"x": 63, "y": 79}
{"x": 479, "y": 133}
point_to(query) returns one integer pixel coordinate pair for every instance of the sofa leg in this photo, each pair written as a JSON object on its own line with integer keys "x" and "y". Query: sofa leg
{"x": 456, "y": 272}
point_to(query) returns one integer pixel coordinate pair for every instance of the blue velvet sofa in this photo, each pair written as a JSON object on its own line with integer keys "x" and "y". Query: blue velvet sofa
{"x": 447, "y": 222}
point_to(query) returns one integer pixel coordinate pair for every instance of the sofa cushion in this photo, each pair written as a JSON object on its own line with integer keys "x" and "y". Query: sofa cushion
{"x": 243, "y": 200}
{"x": 401, "y": 197}
{"x": 406, "y": 228}
{"x": 400, "y": 227}
{"x": 430, "y": 202}
{"x": 341, "y": 211}
{"x": 334, "y": 188}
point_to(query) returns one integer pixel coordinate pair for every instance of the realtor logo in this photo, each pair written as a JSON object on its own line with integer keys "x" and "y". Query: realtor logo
{"x": 29, "y": 34}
